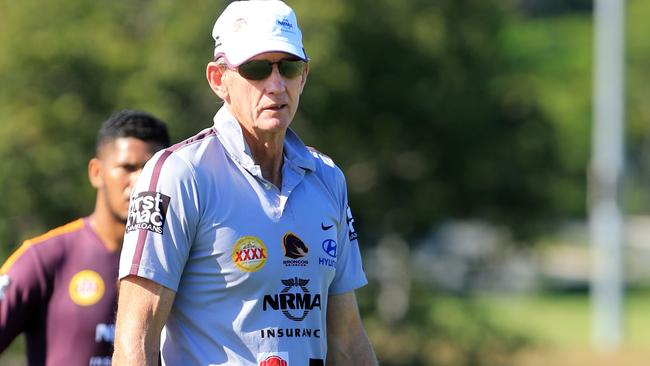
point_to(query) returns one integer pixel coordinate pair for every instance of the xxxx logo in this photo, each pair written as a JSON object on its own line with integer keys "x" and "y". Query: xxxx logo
{"x": 249, "y": 254}
{"x": 86, "y": 288}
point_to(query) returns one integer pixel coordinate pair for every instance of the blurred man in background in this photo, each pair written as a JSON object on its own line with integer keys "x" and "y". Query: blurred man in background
{"x": 242, "y": 244}
{"x": 59, "y": 289}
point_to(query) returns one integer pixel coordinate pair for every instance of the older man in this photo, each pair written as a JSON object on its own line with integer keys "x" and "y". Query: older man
{"x": 240, "y": 246}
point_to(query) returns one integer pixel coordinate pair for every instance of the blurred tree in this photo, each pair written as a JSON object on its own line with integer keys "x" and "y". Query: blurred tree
{"x": 430, "y": 117}
{"x": 418, "y": 101}
{"x": 67, "y": 65}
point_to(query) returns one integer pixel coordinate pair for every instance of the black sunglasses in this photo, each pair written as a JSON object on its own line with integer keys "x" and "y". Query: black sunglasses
{"x": 261, "y": 69}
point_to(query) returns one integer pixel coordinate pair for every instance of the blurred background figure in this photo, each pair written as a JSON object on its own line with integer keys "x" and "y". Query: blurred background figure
{"x": 60, "y": 288}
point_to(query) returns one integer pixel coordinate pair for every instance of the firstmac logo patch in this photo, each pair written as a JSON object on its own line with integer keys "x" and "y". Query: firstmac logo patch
{"x": 147, "y": 211}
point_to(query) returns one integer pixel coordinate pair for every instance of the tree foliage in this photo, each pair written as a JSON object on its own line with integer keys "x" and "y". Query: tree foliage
{"x": 429, "y": 116}
{"x": 418, "y": 101}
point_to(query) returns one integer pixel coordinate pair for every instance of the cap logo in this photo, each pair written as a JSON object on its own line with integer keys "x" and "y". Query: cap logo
{"x": 239, "y": 25}
{"x": 285, "y": 23}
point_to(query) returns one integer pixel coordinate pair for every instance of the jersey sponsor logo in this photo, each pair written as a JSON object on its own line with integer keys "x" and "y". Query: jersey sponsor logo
{"x": 352, "y": 233}
{"x": 290, "y": 333}
{"x": 273, "y": 359}
{"x": 295, "y": 249}
{"x": 326, "y": 227}
{"x": 105, "y": 333}
{"x": 329, "y": 247}
{"x": 294, "y": 300}
{"x": 100, "y": 361}
{"x": 249, "y": 254}
{"x": 147, "y": 211}
{"x": 86, "y": 288}
{"x": 4, "y": 283}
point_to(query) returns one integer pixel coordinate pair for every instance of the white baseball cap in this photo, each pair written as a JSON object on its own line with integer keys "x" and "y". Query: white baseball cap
{"x": 248, "y": 28}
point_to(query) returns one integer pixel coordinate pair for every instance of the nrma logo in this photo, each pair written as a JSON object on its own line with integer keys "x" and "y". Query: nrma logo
{"x": 105, "y": 333}
{"x": 285, "y": 23}
{"x": 294, "y": 305}
{"x": 147, "y": 211}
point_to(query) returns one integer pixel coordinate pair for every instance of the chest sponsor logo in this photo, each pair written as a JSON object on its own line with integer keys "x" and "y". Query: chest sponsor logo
{"x": 294, "y": 300}
{"x": 148, "y": 211}
{"x": 273, "y": 359}
{"x": 86, "y": 288}
{"x": 249, "y": 254}
{"x": 290, "y": 333}
{"x": 295, "y": 251}
{"x": 105, "y": 333}
{"x": 4, "y": 283}
{"x": 100, "y": 361}
{"x": 329, "y": 248}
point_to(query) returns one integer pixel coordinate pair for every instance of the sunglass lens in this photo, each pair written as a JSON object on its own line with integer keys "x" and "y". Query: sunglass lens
{"x": 261, "y": 69}
{"x": 256, "y": 69}
{"x": 291, "y": 68}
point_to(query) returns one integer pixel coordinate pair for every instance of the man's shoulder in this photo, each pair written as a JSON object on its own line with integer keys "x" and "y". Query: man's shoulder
{"x": 58, "y": 234}
{"x": 328, "y": 172}
{"x": 324, "y": 164}
{"x": 48, "y": 246}
{"x": 186, "y": 154}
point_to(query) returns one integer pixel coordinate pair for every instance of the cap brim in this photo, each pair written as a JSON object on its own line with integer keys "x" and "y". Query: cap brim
{"x": 239, "y": 55}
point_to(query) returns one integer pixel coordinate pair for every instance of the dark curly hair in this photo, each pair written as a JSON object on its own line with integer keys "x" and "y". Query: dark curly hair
{"x": 132, "y": 123}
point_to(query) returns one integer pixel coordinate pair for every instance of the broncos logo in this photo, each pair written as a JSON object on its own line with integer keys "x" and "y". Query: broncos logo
{"x": 294, "y": 247}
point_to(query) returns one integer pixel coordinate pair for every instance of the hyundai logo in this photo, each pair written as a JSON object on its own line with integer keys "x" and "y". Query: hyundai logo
{"x": 329, "y": 246}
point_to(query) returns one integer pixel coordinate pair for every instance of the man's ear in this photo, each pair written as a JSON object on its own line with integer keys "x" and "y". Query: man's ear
{"x": 95, "y": 173}
{"x": 215, "y": 74}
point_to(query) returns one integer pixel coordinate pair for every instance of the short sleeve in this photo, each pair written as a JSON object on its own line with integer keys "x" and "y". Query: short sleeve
{"x": 162, "y": 221}
{"x": 349, "y": 269}
{"x": 23, "y": 292}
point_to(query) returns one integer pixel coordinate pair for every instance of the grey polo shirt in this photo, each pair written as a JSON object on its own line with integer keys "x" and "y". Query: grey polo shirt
{"x": 252, "y": 265}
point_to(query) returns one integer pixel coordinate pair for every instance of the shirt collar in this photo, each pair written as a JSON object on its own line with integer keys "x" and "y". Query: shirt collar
{"x": 231, "y": 136}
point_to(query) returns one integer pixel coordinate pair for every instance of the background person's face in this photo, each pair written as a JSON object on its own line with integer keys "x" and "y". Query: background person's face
{"x": 121, "y": 163}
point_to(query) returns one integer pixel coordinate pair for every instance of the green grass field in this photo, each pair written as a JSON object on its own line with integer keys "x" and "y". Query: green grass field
{"x": 560, "y": 330}
{"x": 565, "y": 320}
{"x": 503, "y": 330}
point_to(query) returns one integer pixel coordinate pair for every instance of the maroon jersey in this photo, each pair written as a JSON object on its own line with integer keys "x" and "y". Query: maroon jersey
{"x": 60, "y": 290}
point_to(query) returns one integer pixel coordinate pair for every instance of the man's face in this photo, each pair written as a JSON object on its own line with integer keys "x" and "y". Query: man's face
{"x": 119, "y": 165}
{"x": 266, "y": 105}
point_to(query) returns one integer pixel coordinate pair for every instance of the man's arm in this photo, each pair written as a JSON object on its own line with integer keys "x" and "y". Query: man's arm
{"x": 347, "y": 341}
{"x": 143, "y": 308}
{"x": 23, "y": 294}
